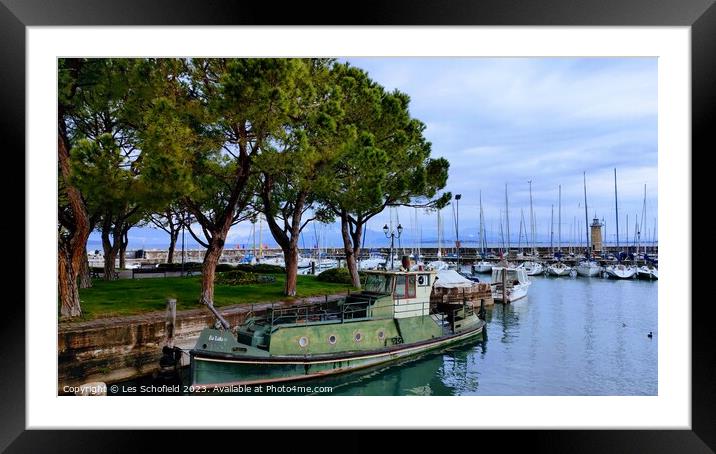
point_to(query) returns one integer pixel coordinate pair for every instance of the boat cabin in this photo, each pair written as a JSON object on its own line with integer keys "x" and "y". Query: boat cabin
{"x": 410, "y": 290}
{"x": 512, "y": 276}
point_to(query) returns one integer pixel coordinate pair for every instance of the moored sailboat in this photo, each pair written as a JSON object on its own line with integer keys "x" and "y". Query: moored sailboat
{"x": 620, "y": 271}
{"x": 558, "y": 269}
{"x": 648, "y": 272}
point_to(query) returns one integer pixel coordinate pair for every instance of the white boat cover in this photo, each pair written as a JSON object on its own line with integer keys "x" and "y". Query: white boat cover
{"x": 452, "y": 279}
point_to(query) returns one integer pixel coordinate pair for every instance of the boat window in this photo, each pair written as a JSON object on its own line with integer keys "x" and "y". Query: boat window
{"x": 377, "y": 283}
{"x": 410, "y": 291}
{"x": 424, "y": 280}
{"x": 400, "y": 286}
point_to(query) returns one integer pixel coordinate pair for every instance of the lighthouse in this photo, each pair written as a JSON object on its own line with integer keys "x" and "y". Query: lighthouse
{"x": 596, "y": 235}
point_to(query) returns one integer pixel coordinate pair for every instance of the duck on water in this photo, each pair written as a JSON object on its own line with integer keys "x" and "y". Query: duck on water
{"x": 392, "y": 318}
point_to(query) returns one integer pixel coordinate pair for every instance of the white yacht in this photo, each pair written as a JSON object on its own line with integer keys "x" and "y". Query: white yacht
{"x": 620, "y": 271}
{"x": 588, "y": 268}
{"x": 532, "y": 268}
{"x": 648, "y": 272}
{"x": 558, "y": 269}
{"x": 513, "y": 287}
{"x": 373, "y": 262}
{"x": 483, "y": 267}
{"x": 437, "y": 265}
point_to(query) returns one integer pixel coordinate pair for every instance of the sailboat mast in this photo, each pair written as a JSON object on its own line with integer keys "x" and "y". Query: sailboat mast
{"x": 532, "y": 221}
{"x": 616, "y": 205}
{"x": 502, "y": 233}
{"x": 643, "y": 222}
{"x": 482, "y": 228}
{"x": 439, "y": 245}
{"x": 519, "y": 237}
{"x": 253, "y": 232}
{"x": 559, "y": 222}
{"x": 507, "y": 220}
{"x": 261, "y": 246}
{"x": 551, "y": 231}
{"x": 586, "y": 216}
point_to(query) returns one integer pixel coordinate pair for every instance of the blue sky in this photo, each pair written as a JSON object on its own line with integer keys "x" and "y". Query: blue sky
{"x": 510, "y": 120}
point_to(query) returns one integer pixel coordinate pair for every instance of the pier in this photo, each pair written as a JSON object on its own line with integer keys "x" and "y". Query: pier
{"x": 468, "y": 255}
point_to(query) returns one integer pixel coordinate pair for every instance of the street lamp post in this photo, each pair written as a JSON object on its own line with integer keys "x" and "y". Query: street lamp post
{"x": 457, "y": 227}
{"x": 392, "y": 235}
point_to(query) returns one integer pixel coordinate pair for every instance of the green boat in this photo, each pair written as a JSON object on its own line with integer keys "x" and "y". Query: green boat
{"x": 392, "y": 318}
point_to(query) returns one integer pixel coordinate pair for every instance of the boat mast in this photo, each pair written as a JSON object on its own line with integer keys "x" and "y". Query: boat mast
{"x": 519, "y": 237}
{"x": 559, "y": 222}
{"x": 586, "y": 216}
{"x": 502, "y": 233}
{"x": 253, "y": 232}
{"x": 439, "y": 251}
{"x": 551, "y": 231}
{"x": 417, "y": 234}
{"x": 616, "y": 206}
{"x": 507, "y": 221}
{"x": 261, "y": 247}
{"x": 532, "y": 221}
{"x": 643, "y": 222}
{"x": 482, "y": 229}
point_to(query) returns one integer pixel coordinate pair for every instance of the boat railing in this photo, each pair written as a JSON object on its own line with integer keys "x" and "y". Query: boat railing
{"x": 354, "y": 307}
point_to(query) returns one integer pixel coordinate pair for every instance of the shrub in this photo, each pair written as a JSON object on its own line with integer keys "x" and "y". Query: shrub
{"x": 261, "y": 268}
{"x": 188, "y": 266}
{"x": 239, "y": 277}
{"x": 221, "y": 267}
{"x": 337, "y": 275}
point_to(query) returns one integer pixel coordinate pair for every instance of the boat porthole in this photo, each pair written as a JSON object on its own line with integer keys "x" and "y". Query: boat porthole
{"x": 381, "y": 334}
{"x": 303, "y": 341}
{"x": 332, "y": 339}
{"x": 358, "y": 337}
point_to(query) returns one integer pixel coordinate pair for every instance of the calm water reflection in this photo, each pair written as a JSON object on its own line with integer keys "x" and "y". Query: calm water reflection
{"x": 570, "y": 336}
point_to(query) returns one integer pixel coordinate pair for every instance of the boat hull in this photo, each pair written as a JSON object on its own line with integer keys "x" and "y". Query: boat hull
{"x": 620, "y": 273}
{"x": 588, "y": 271}
{"x": 210, "y": 370}
{"x": 483, "y": 268}
{"x": 647, "y": 275}
{"x": 516, "y": 293}
{"x": 558, "y": 271}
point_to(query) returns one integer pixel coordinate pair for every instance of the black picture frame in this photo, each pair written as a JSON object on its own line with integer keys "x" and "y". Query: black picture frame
{"x": 700, "y": 15}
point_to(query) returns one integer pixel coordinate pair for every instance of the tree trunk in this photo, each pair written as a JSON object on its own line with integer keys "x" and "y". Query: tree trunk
{"x": 172, "y": 246}
{"x": 85, "y": 276}
{"x": 208, "y": 271}
{"x": 350, "y": 250}
{"x": 72, "y": 245}
{"x": 123, "y": 249}
{"x": 290, "y": 256}
{"x": 110, "y": 255}
{"x": 67, "y": 283}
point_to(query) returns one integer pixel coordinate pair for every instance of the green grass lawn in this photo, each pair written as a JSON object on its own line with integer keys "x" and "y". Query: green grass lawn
{"x": 135, "y": 296}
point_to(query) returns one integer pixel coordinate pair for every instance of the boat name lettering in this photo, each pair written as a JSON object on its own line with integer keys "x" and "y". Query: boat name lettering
{"x": 216, "y": 338}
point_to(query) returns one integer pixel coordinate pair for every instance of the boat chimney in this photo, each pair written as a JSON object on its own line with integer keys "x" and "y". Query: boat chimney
{"x": 405, "y": 262}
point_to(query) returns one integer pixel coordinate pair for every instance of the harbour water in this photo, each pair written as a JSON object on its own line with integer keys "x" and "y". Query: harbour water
{"x": 570, "y": 336}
